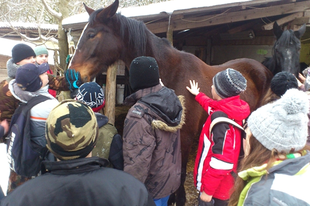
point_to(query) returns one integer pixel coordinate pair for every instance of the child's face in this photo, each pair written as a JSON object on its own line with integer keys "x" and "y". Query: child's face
{"x": 215, "y": 96}
{"x": 44, "y": 79}
{"x": 27, "y": 61}
{"x": 42, "y": 58}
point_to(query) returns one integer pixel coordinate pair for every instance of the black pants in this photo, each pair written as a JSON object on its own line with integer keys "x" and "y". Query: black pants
{"x": 214, "y": 202}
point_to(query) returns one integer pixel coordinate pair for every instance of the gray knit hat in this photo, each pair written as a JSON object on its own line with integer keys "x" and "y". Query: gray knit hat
{"x": 229, "y": 83}
{"x": 282, "y": 125}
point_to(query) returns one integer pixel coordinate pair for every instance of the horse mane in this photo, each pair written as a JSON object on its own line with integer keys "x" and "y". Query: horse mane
{"x": 131, "y": 29}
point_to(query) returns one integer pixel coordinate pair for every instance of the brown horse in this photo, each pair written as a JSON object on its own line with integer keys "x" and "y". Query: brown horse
{"x": 109, "y": 37}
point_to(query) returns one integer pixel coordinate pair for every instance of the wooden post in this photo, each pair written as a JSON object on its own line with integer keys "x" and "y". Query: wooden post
{"x": 170, "y": 31}
{"x": 110, "y": 93}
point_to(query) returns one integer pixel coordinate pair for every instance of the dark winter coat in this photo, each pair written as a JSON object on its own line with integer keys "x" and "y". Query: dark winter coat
{"x": 151, "y": 139}
{"x": 83, "y": 181}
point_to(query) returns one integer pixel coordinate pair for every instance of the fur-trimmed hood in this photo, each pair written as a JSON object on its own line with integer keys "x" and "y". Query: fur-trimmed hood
{"x": 11, "y": 68}
{"x": 168, "y": 108}
{"x": 158, "y": 124}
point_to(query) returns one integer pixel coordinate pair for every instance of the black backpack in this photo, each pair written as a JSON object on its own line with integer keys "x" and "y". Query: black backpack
{"x": 24, "y": 156}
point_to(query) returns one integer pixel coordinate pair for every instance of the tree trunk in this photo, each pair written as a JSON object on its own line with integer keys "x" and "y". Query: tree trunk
{"x": 63, "y": 47}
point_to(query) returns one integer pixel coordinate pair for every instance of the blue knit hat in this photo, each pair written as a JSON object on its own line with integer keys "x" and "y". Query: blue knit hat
{"x": 282, "y": 125}
{"x": 28, "y": 76}
{"x": 91, "y": 94}
{"x": 229, "y": 83}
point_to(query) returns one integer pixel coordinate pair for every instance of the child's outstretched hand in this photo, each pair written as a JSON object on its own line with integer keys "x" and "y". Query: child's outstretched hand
{"x": 194, "y": 87}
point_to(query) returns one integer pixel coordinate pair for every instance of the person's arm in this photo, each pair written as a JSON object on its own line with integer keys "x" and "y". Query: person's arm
{"x": 8, "y": 103}
{"x": 138, "y": 146}
{"x": 72, "y": 80}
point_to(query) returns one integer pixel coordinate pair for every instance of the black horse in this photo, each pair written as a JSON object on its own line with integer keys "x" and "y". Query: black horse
{"x": 286, "y": 51}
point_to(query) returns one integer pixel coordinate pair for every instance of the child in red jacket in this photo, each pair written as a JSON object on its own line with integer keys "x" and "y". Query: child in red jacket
{"x": 218, "y": 153}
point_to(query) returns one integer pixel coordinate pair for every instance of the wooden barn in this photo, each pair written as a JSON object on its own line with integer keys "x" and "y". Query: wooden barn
{"x": 217, "y": 32}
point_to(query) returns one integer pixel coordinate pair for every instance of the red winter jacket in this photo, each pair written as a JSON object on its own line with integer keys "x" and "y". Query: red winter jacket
{"x": 217, "y": 156}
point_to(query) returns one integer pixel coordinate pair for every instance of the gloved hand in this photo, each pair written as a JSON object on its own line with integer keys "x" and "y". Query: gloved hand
{"x": 73, "y": 78}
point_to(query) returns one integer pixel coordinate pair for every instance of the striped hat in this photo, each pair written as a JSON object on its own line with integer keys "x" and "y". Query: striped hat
{"x": 229, "y": 83}
{"x": 71, "y": 130}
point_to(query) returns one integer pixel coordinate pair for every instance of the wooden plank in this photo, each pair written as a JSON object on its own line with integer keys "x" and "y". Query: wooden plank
{"x": 243, "y": 27}
{"x": 235, "y": 16}
{"x": 283, "y": 20}
{"x": 110, "y": 93}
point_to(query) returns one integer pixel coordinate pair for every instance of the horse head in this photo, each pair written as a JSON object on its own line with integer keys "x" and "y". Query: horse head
{"x": 99, "y": 45}
{"x": 287, "y": 49}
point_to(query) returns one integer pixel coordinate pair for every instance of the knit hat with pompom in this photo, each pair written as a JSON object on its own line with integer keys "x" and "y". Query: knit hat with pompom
{"x": 282, "y": 125}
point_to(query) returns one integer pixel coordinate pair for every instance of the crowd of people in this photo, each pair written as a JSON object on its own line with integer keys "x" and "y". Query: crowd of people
{"x": 243, "y": 158}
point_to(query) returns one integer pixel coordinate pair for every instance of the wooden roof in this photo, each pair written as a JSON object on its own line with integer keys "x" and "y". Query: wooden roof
{"x": 226, "y": 18}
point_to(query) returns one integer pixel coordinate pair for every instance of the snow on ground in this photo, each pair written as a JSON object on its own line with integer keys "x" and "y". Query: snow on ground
{"x": 4, "y": 168}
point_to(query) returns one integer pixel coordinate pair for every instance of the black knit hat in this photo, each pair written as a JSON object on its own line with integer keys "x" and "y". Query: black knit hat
{"x": 283, "y": 81}
{"x": 143, "y": 73}
{"x": 229, "y": 83}
{"x": 21, "y": 51}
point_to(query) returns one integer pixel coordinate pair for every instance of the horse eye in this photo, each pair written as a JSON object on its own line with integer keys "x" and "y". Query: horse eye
{"x": 91, "y": 35}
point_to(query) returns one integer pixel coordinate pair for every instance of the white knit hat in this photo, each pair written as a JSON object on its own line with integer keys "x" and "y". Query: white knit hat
{"x": 282, "y": 125}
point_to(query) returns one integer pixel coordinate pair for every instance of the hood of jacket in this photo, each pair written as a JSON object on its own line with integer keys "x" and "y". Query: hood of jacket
{"x": 75, "y": 165}
{"x": 164, "y": 103}
{"x": 101, "y": 119}
{"x": 234, "y": 107}
{"x": 11, "y": 68}
{"x": 24, "y": 96}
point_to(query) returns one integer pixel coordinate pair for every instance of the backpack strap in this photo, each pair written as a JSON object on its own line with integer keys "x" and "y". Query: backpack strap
{"x": 35, "y": 100}
{"x": 223, "y": 119}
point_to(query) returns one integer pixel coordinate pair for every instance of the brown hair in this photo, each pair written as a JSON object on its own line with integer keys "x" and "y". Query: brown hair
{"x": 258, "y": 155}
{"x": 269, "y": 97}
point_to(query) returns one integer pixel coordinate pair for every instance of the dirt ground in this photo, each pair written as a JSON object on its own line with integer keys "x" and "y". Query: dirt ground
{"x": 191, "y": 194}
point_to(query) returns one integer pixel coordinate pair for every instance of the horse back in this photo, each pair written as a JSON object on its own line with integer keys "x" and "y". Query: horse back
{"x": 258, "y": 79}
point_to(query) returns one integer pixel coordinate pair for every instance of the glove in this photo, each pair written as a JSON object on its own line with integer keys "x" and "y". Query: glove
{"x": 73, "y": 78}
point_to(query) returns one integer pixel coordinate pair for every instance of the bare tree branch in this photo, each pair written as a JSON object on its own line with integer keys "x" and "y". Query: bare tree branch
{"x": 51, "y": 11}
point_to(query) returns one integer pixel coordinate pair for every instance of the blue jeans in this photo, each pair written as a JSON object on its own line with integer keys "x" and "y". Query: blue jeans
{"x": 162, "y": 201}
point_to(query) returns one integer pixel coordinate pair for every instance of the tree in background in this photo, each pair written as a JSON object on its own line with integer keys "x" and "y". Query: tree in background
{"x": 53, "y": 12}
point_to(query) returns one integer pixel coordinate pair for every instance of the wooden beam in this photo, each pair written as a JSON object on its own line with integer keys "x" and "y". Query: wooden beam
{"x": 283, "y": 20}
{"x": 233, "y": 17}
{"x": 110, "y": 93}
{"x": 243, "y": 27}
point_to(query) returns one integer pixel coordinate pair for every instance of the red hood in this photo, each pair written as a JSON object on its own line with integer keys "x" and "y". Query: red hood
{"x": 234, "y": 107}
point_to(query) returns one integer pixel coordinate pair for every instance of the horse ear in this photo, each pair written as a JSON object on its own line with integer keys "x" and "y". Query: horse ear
{"x": 300, "y": 32}
{"x": 109, "y": 11}
{"x": 277, "y": 30}
{"x": 89, "y": 10}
